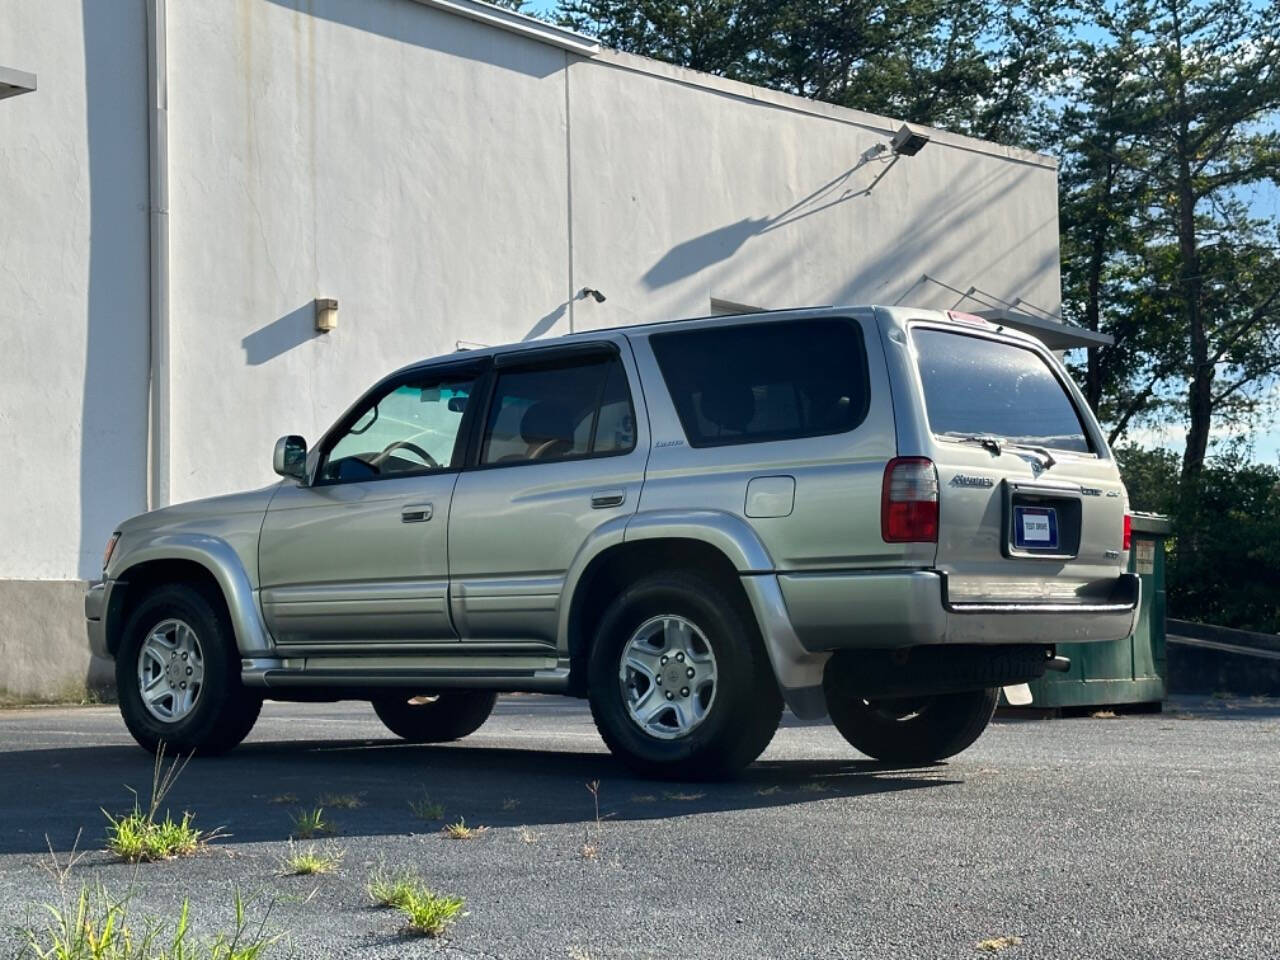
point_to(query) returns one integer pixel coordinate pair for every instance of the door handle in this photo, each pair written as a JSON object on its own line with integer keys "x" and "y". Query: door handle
{"x": 601, "y": 499}
{"x": 415, "y": 513}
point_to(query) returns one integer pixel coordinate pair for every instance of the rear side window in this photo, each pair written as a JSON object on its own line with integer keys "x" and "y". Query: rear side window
{"x": 765, "y": 381}
{"x": 979, "y": 387}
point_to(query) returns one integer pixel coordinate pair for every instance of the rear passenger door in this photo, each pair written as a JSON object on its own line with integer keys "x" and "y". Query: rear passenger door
{"x": 560, "y": 452}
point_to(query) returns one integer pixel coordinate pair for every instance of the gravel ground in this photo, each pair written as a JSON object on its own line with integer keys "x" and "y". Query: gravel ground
{"x": 1141, "y": 836}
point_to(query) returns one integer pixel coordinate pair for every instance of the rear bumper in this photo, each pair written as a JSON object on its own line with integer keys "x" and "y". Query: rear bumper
{"x": 878, "y": 609}
{"x": 96, "y": 599}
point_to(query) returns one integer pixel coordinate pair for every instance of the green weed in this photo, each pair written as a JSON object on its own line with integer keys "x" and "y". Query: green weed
{"x": 312, "y": 859}
{"x": 308, "y": 824}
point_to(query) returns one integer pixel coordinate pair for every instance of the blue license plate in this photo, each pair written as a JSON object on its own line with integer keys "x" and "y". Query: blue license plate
{"x": 1035, "y": 528}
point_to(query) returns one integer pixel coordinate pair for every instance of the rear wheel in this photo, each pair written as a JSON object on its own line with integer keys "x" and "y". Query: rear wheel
{"x": 178, "y": 674}
{"x": 435, "y": 719}
{"x": 679, "y": 682}
{"x": 913, "y": 729}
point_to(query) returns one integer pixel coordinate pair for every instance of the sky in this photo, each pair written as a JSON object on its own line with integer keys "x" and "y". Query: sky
{"x": 1265, "y": 203}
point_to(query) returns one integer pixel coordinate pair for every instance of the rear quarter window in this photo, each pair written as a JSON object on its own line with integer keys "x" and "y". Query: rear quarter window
{"x": 765, "y": 381}
{"x": 975, "y": 386}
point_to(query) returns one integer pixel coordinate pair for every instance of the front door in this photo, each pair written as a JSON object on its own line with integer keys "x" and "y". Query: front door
{"x": 360, "y": 556}
{"x": 562, "y": 452}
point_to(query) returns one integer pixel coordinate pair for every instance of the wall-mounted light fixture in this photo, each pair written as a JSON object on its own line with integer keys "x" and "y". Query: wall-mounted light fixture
{"x": 326, "y": 314}
{"x": 907, "y": 142}
{"x": 593, "y": 293}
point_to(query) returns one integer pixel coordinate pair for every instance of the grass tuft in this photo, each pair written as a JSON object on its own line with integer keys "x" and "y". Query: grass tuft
{"x": 312, "y": 859}
{"x": 391, "y": 888}
{"x": 98, "y": 926}
{"x": 308, "y": 824}
{"x": 340, "y": 801}
{"x": 431, "y": 914}
{"x": 141, "y": 836}
{"x": 425, "y": 809}
{"x": 426, "y": 912}
{"x": 460, "y": 830}
{"x": 526, "y": 835}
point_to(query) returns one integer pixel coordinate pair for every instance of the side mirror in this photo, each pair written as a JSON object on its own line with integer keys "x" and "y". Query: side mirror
{"x": 290, "y": 458}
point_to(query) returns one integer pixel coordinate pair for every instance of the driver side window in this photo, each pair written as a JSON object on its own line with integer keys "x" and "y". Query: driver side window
{"x": 412, "y": 428}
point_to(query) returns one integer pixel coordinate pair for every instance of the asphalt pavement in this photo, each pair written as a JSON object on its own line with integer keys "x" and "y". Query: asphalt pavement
{"x": 1136, "y": 836}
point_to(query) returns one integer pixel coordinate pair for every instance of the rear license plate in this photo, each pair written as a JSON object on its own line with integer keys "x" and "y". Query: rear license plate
{"x": 1035, "y": 528}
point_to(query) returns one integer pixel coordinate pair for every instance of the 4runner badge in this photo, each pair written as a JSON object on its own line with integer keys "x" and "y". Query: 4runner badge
{"x": 964, "y": 480}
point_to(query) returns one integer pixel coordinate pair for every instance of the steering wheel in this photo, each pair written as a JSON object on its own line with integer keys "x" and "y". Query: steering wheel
{"x": 413, "y": 448}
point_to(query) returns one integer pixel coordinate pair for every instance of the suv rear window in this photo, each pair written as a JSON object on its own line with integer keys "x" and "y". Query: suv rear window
{"x": 765, "y": 381}
{"x": 979, "y": 387}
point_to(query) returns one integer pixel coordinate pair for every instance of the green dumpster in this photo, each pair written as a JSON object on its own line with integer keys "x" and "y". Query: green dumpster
{"x": 1129, "y": 671}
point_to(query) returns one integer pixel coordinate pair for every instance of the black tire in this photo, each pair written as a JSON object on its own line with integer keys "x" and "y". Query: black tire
{"x": 742, "y": 714}
{"x": 223, "y": 712}
{"x": 915, "y": 730}
{"x": 450, "y": 716}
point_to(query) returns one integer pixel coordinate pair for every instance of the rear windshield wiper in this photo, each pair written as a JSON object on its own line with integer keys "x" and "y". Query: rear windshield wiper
{"x": 985, "y": 441}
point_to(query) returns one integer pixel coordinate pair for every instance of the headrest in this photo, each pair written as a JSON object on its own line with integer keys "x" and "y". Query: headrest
{"x": 730, "y": 405}
{"x": 546, "y": 420}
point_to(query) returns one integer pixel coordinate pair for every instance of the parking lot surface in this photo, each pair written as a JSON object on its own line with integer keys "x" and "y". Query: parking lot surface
{"x": 1142, "y": 836}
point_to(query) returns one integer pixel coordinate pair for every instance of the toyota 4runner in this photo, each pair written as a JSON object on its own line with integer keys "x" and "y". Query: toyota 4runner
{"x": 880, "y": 514}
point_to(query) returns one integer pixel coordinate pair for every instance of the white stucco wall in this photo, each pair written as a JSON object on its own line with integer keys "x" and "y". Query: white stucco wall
{"x": 73, "y": 284}
{"x": 683, "y": 193}
{"x": 406, "y": 161}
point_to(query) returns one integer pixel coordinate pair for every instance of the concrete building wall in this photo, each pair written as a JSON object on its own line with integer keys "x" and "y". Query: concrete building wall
{"x": 445, "y": 180}
{"x": 404, "y": 160}
{"x": 683, "y": 193}
{"x": 73, "y": 320}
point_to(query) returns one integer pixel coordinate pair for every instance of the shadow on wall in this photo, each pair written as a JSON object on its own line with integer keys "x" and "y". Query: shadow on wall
{"x": 687, "y": 258}
{"x": 545, "y": 323}
{"x": 933, "y": 243}
{"x": 436, "y": 30}
{"x": 113, "y": 441}
{"x": 293, "y": 329}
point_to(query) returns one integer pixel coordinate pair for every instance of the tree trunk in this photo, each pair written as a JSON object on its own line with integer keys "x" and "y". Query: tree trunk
{"x": 1200, "y": 391}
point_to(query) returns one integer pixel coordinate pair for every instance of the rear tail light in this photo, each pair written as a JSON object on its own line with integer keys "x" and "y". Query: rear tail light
{"x": 909, "y": 501}
{"x": 1128, "y": 531}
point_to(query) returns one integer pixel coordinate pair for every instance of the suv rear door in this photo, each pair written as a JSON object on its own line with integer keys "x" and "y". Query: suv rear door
{"x": 561, "y": 451}
{"x": 1031, "y": 507}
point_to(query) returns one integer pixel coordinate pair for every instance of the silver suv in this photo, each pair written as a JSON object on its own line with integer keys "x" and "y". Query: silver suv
{"x": 877, "y": 513}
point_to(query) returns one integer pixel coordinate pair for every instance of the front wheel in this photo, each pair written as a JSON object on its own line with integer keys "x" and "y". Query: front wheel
{"x": 178, "y": 674}
{"x": 913, "y": 729}
{"x": 679, "y": 682}
{"x": 435, "y": 719}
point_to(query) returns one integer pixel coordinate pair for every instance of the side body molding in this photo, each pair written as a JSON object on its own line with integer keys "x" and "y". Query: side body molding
{"x": 220, "y": 559}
